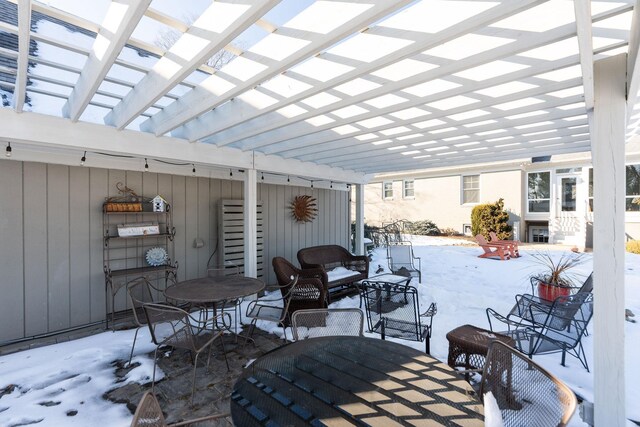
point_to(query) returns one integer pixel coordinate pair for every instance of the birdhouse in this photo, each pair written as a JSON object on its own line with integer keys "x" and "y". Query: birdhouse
{"x": 159, "y": 204}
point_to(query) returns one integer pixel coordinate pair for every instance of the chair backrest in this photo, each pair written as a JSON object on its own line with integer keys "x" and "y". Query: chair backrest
{"x": 140, "y": 292}
{"x": 400, "y": 254}
{"x": 148, "y": 413}
{"x": 564, "y": 323}
{"x": 284, "y": 270}
{"x": 329, "y": 256}
{"x": 525, "y": 392}
{"x": 394, "y": 308}
{"x": 169, "y": 325}
{"x": 483, "y": 243}
{"x": 327, "y": 322}
{"x": 587, "y": 286}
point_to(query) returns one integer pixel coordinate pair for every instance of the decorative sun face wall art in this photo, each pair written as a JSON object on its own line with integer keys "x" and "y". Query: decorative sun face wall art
{"x": 304, "y": 208}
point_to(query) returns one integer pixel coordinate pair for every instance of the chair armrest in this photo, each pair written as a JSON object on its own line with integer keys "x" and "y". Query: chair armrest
{"x": 431, "y": 311}
{"x": 317, "y": 272}
{"x": 510, "y": 323}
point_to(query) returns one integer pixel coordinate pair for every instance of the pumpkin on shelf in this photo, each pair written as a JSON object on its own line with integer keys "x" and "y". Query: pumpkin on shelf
{"x": 304, "y": 208}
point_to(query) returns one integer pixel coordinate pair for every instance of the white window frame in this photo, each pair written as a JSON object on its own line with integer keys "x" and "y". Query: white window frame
{"x": 462, "y": 189}
{"x": 384, "y": 191}
{"x": 526, "y": 186}
{"x": 413, "y": 189}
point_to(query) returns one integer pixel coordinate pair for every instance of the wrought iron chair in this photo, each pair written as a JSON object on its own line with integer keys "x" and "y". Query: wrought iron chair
{"x": 394, "y": 310}
{"x": 525, "y": 392}
{"x": 402, "y": 261}
{"x": 230, "y": 305}
{"x": 172, "y": 326}
{"x": 556, "y": 328}
{"x": 149, "y": 414}
{"x": 327, "y": 322}
{"x": 141, "y": 291}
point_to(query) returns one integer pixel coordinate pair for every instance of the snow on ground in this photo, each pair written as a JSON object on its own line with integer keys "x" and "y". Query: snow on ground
{"x": 54, "y": 381}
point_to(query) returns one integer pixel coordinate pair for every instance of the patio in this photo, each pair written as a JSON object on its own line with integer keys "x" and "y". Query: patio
{"x": 252, "y": 103}
{"x": 113, "y": 387}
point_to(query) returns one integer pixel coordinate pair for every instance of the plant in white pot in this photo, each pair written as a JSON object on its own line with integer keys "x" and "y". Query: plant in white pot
{"x": 556, "y": 279}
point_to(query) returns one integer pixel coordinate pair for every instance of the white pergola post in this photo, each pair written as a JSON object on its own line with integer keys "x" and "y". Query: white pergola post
{"x": 359, "y": 237}
{"x": 607, "y": 147}
{"x": 250, "y": 223}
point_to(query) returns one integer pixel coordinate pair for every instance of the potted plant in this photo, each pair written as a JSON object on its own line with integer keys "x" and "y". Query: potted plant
{"x": 556, "y": 280}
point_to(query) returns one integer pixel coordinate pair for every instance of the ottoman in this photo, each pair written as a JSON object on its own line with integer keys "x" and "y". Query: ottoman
{"x": 468, "y": 346}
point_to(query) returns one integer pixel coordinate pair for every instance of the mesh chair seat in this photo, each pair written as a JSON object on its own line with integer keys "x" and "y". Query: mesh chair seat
{"x": 327, "y": 322}
{"x": 526, "y": 394}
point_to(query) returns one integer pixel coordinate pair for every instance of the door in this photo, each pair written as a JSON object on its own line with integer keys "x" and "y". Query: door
{"x": 566, "y": 201}
{"x": 566, "y": 225}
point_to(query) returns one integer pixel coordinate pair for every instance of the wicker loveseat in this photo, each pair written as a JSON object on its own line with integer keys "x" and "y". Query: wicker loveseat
{"x": 341, "y": 270}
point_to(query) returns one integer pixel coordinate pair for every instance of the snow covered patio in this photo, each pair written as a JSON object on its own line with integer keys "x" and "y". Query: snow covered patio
{"x": 81, "y": 374}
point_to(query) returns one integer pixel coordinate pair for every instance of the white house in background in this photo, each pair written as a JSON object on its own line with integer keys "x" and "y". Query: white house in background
{"x": 549, "y": 199}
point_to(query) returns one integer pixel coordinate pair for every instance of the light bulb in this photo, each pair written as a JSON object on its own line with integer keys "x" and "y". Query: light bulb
{"x": 146, "y": 165}
{"x": 83, "y": 159}
{"x": 8, "y": 151}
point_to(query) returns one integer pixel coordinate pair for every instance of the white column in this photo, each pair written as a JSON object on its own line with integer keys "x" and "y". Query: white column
{"x": 359, "y": 238}
{"x": 607, "y": 147}
{"x": 251, "y": 223}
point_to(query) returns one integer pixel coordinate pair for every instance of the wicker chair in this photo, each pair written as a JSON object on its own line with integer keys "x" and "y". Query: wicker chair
{"x": 185, "y": 332}
{"x": 526, "y": 394}
{"x": 311, "y": 292}
{"x": 327, "y": 322}
{"x": 149, "y": 414}
{"x": 394, "y": 310}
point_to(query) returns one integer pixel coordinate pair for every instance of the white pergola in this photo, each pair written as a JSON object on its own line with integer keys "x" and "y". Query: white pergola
{"x": 334, "y": 92}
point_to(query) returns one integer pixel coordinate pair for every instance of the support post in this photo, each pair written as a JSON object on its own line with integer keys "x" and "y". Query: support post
{"x": 608, "y": 154}
{"x": 250, "y": 223}
{"x": 359, "y": 237}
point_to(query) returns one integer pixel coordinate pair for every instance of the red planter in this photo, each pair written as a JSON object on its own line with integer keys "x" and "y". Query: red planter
{"x": 550, "y": 293}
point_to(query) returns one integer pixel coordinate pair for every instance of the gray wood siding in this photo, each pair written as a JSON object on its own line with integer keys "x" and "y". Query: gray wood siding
{"x": 51, "y": 228}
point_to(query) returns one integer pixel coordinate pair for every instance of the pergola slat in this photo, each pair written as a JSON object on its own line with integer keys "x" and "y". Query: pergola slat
{"x": 24, "y": 27}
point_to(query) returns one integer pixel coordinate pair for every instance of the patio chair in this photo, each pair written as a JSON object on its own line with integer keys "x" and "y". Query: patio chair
{"x": 394, "y": 310}
{"x": 149, "y": 414}
{"x": 513, "y": 244}
{"x": 526, "y": 394}
{"x": 327, "y": 322}
{"x": 141, "y": 291}
{"x": 402, "y": 261}
{"x": 492, "y": 250}
{"x": 558, "y": 328}
{"x": 233, "y": 304}
{"x": 312, "y": 291}
{"x": 172, "y": 326}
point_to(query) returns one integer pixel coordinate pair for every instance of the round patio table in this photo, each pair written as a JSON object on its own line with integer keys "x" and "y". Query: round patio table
{"x": 344, "y": 381}
{"x": 211, "y": 290}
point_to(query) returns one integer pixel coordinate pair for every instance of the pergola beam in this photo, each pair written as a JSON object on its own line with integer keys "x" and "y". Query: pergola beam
{"x": 633, "y": 60}
{"x": 203, "y": 98}
{"x": 24, "y": 30}
{"x": 585, "y": 45}
{"x": 121, "y": 19}
{"x": 205, "y": 38}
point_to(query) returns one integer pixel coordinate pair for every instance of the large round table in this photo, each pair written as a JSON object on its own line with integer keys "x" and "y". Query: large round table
{"x": 343, "y": 381}
{"x": 211, "y": 290}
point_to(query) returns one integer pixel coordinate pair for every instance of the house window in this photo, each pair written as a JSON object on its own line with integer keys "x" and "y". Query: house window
{"x": 539, "y": 234}
{"x": 407, "y": 189}
{"x": 471, "y": 189}
{"x": 539, "y": 191}
{"x": 590, "y": 189}
{"x": 387, "y": 190}
{"x": 633, "y": 188}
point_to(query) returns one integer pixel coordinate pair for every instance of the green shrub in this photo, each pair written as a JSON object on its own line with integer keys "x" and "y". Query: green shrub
{"x": 424, "y": 228}
{"x": 490, "y": 217}
{"x": 450, "y": 232}
{"x": 633, "y": 246}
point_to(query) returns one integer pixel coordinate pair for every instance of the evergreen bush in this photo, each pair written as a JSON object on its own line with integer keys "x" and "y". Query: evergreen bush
{"x": 633, "y": 246}
{"x": 491, "y": 217}
{"x": 424, "y": 228}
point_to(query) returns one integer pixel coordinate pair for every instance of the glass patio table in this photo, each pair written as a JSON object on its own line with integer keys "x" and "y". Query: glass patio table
{"x": 343, "y": 381}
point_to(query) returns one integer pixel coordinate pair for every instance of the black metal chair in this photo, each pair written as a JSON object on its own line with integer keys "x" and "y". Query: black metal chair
{"x": 526, "y": 394}
{"x": 553, "y": 329}
{"x": 327, "y": 322}
{"x": 394, "y": 310}
{"x": 402, "y": 261}
{"x": 274, "y": 308}
{"x": 228, "y": 269}
{"x": 172, "y": 326}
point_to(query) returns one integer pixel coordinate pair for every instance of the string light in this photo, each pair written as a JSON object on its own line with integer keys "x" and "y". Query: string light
{"x": 83, "y": 159}
{"x": 230, "y": 173}
{"x": 262, "y": 176}
{"x": 331, "y": 185}
{"x": 8, "y": 150}
{"x": 194, "y": 168}
{"x": 311, "y": 183}
{"x": 146, "y": 165}
{"x": 288, "y": 180}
